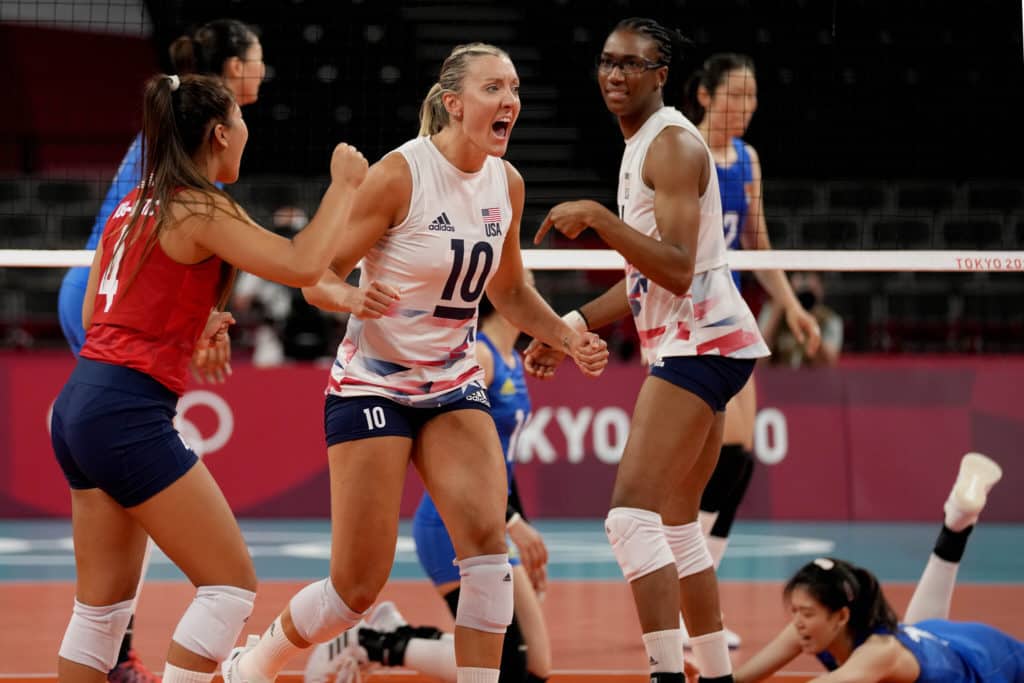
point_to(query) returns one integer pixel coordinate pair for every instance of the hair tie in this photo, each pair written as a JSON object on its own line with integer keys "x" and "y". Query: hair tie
{"x": 175, "y": 82}
{"x": 848, "y": 587}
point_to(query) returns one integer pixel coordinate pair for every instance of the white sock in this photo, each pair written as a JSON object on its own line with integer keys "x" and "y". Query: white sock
{"x": 269, "y": 656}
{"x": 707, "y": 520}
{"x": 934, "y": 591}
{"x": 711, "y": 653}
{"x": 717, "y": 546}
{"x": 665, "y": 651}
{"x": 173, "y": 674}
{"x": 432, "y": 657}
{"x": 475, "y": 674}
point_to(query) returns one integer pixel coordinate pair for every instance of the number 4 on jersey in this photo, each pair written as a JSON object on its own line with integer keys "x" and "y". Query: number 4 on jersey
{"x": 108, "y": 283}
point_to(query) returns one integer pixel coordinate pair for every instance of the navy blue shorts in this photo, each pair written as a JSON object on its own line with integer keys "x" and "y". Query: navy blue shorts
{"x": 365, "y": 417}
{"x": 112, "y": 429}
{"x": 715, "y": 379}
{"x": 434, "y": 546}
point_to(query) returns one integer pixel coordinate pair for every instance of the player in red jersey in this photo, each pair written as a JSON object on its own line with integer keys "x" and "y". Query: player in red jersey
{"x": 162, "y": 269}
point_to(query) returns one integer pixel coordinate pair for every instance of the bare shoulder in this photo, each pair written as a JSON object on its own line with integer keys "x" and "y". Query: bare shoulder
{"x": 675, "y": 148}
{"x": 392, "y": 172}
{"x": 751, "y": 152}
{"x": 516, "y": 185}
{"x": 882, "y": 650}
{"x": 514, "y": 177}
{"x": 196, "y": 206}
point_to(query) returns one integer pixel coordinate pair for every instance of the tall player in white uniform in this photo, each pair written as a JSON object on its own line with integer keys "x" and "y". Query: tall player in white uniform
{"x": 698, "y": 337}
{"x": 437, "y": 223}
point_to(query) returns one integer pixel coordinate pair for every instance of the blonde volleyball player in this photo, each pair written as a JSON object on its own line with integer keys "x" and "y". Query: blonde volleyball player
{"x": 721, "y": 98}
{"x": 436, "y": 223}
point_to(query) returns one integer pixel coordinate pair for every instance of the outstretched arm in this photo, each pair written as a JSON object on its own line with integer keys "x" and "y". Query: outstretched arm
{"x": 755, "y": 236}
{"x": 877, "y": 660}
{"x": 783, "y": 649}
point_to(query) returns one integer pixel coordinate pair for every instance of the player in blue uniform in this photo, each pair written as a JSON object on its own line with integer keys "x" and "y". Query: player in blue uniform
{"x": 226, "y": 48}
{"x": 840, "y": 615}
{"x": 386, "y": 639}
{"x": 231, "y": 50}
{"x": 721, "y": 99}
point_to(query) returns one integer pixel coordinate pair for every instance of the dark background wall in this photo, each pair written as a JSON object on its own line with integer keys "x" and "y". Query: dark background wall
{"x": 881, "y": 125}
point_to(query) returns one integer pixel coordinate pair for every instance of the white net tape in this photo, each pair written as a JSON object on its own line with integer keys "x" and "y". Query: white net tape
{"x": 950, "y": 261}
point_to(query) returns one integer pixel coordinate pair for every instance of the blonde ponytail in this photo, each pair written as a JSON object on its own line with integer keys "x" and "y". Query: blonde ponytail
{"x": 433, "y": 115}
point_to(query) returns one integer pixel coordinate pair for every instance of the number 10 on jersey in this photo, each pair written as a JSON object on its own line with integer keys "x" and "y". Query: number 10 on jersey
{"x": 481, "y": 259}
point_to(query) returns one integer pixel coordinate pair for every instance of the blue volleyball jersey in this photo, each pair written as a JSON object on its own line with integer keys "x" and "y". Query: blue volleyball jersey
{"x": 962, "y": 652}
{"x": 72, "y": 288}
{"x": 958, "y": 652}
{"x": 510, "y": 408}
{"x": 732, "y": 184}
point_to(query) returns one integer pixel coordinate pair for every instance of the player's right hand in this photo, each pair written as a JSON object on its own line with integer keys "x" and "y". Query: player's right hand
{"x": 373, "y": 300}
{"x": 348, "y": 165}
{"x": 533, "y": 553}
{"x": 590, "y": 353}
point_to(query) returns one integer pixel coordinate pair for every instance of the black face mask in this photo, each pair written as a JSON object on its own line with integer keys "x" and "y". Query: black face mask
{"x": 807, "y": 299}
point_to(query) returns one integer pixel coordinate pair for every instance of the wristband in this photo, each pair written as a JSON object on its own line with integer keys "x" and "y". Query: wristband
{"x": 575, "y": 320}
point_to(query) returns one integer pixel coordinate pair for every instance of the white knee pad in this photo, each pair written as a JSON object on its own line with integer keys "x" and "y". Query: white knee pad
{"x": 690, "y": 548}
{"x": 319, "y": 613}
{"x": 485, "y": 593}
{"x": 94, "y": 634}
{"x": 638, "y": 541}
{"x": 211, "y": 624}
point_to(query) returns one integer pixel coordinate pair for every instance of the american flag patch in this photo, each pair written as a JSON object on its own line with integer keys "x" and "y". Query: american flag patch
{"x": 491, "y": 215}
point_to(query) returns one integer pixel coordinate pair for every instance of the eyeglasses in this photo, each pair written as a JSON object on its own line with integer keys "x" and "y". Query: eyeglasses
{"x": 629, "y": 66}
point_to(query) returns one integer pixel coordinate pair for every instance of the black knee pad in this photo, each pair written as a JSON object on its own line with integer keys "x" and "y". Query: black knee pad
{"x": 733, "y": 463}
{"x": 452, "y": 598}
{"x": 727, "y": 511}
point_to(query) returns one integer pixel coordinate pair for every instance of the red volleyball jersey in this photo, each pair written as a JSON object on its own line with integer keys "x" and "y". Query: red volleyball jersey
{"x": 150, "y": 323}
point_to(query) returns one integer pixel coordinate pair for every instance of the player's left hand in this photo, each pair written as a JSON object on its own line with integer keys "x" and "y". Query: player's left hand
{"x": 211, "y": 360}
{"x": 804, "y": 327}
{"x": 541, "y": 361}
{"x": 571, "y": 218}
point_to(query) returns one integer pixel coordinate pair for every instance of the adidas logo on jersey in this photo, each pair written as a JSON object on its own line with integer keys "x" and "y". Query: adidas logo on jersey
{"x": 480, "y": 396}
{"x": 441, "y": 224}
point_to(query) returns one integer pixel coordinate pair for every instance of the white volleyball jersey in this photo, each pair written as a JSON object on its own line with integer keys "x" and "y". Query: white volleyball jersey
{"x": 440, "y": 258}
{"x": 712, "y": 318}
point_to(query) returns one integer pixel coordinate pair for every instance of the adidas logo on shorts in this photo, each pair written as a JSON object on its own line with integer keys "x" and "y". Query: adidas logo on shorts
{"x": 480, "y": 396}
{"x": 441, "y": 224}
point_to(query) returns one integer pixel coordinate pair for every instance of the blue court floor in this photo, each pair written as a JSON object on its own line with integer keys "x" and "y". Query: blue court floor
{"x": 759, "y": 551}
